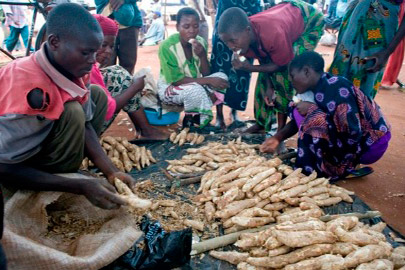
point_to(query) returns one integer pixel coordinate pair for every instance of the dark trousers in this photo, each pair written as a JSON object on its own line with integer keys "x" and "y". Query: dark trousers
{"x": 126, "y": 47}
{"x": 63, "y": 149}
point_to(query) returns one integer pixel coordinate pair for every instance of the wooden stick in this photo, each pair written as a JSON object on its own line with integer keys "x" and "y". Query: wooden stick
{"x": 187, "y": 181}
{"x": 222, "y": 241}
{"x": 7, "y": 53}
{"x": 168, "y": 175}
{"x": 368, "y": 214}
{"x": 231, "y": 238}
{"x": 189, "y": 175}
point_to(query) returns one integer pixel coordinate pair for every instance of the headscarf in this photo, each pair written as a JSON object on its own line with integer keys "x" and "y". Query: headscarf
{"x": 109, "y": 26}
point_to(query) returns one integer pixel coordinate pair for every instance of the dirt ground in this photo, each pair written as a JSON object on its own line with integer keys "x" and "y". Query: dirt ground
{"x": 384, "y": 190}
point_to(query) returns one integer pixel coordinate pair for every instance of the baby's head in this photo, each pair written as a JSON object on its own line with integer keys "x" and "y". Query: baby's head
{"x": 305, "y": 70}
{"x": 234, "y": 29}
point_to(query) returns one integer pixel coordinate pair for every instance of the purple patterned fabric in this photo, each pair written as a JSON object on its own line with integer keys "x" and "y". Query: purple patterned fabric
{"x": 341, "y": 130}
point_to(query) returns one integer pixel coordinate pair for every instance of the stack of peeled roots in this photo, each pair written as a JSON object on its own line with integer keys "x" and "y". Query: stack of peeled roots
{"x": 311, "y": 244}
{"x": 212, "y": 156}
{"x": 253, "y": 192}
{"x": 123, "y": 154}
{"x": 184, "y": 136}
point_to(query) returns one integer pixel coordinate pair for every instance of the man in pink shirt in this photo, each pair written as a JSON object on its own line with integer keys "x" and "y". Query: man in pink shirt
{"x": 49, "y": 119}
{"x": 273, "y": 37}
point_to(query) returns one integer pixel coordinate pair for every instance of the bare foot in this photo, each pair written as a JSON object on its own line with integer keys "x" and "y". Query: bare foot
{"x": 153, "y": 133}
{"x": 252, "y": 130}
{"x": 220, "y": 122}
{"x": 234, "y": 116}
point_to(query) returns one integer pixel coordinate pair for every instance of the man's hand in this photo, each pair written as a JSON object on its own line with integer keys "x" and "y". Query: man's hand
{"x": 380, "y": 59}
{"x": 270, "y": 145}
{"x": 303, "y": 107}
{"x": 241, "y": 65}
{"x": 101, "y": 194}
{"x": 124, "y": 177}
{"x": 199, "y": 49}
{"x": 269, "y": 97}
{"x": 116, "y": 4}
{"x": 217, "y": 83}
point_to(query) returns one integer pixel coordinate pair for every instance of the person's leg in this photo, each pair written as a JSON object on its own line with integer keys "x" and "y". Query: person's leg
{"x": 24, "y": 35}
{"x": 118, "y": 80}
{"x": 281, "y": 120}
{"x": 193, "y": 97}
{"x": 128, "y": 47}
{"x": 147, "y": 131}
{"x": 220, "y": 117}
{"x": 99, "y": 98}
{"x": 376, "y": 150}
{"x": 63, "y": 149}
{"x": 12, "y": 39}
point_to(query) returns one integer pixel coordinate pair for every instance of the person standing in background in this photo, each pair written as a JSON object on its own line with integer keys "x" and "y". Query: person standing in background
{"x": 368, "y": 35}
{"x": 16, "y": 20}
{"x": 221, "y": 61}
{"x": 395, "y": 61}
{"x": 129, "y": 18}
{"x": 200, "y": 7}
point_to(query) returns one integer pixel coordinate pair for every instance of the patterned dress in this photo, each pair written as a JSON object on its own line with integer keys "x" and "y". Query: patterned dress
{"x": 368, "y": 27}
{"x": 221, "y": 57}
{"x": 338, "y": 129}
{"x": 117, "y": 80}
{"x": 313, "y": 29}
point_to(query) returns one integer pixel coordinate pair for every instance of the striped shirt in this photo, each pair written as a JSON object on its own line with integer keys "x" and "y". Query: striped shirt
{"x": 15, "y": 15}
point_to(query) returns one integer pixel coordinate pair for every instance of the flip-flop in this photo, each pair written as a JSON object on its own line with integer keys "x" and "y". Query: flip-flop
{"x": 360, "y": 172}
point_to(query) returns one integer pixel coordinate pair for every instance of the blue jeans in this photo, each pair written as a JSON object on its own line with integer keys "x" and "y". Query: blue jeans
{"x": 13, "y": 38}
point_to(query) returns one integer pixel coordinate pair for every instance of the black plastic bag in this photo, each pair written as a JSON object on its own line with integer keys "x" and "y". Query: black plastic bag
{"x": 162, "y": 250}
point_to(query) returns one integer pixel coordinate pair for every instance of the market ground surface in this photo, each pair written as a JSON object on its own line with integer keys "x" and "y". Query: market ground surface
{"x": 384, "y": 190}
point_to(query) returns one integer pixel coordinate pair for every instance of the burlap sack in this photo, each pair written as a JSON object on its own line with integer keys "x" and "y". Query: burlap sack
{"x": 27, "y": 246}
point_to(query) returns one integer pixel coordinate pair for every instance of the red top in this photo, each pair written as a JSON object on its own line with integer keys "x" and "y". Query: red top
{"x": 97, "y": 78}
{"x": 276, "y": 30}
{"x": 25, "y": 74}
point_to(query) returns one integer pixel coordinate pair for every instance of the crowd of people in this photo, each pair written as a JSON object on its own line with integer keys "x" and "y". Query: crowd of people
{"x": 55, "y": 107}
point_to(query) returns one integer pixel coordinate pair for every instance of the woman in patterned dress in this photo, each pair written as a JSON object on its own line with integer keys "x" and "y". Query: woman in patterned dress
{"x": 367, "y": 37}
{"x": 185, "y": 78}
{"x": 340, "y": 129}
{"x": 122, "y": 89}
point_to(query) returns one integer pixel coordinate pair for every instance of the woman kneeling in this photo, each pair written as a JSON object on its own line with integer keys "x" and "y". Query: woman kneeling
{"x": 338, "y": 126}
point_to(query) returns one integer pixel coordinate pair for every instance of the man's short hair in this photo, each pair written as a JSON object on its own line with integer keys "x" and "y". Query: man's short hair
{"x": 71, "y": 20}
{"x": 233, "y": 20}
{"x": 310, "y": 59}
